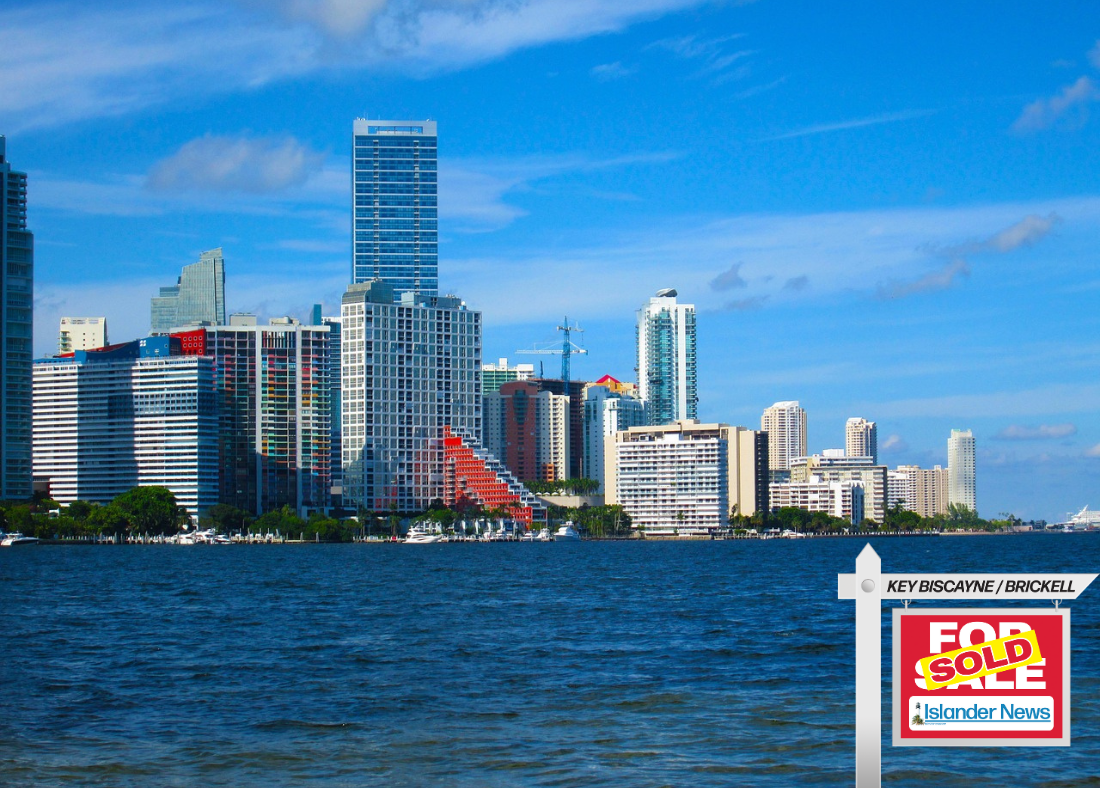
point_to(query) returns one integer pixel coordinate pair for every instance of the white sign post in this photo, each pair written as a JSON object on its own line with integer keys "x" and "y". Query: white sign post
{"x": 868, "y": 587}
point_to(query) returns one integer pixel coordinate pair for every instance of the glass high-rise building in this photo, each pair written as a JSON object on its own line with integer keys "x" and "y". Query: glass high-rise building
{"x": 394, "y": 210}
{"x": 197, "y": 298}
{"x": 16, "y": 334}
{"x": 961, "y": 474}
{"x": 666, "y": 359}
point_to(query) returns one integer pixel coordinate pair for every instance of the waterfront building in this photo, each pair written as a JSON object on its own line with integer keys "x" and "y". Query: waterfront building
{"x": 81, "y": 333}
{"x": 666, "y": 358}
{"x": 493, "y": 376}
{"x": 336, "y": 454}
{"x": 474, "y": 478}
{"x": 606, "y": 411}
{"x": 833, "y": 465}
{"x": 861, "y": 439}
{"x": 272, "y": 389}
{"x": 842, "y": 499}
{"x": 197, "y": 298}
{"x": 527, "y": 428}
{"x": 785, "y": 423}
{"x": 616, "y": 386}
{"x": 961, "y": 486}
{"x": 410, "y": 367}
{"x": 394, "y": 205}
{"x": 920, "y": 490}
{"x": 685, "y": 479}
{"x": 16, "y": 332}
{"x": 133, "y": 415}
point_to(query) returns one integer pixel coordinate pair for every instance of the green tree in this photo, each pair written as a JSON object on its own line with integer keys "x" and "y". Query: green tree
{"x": 150, "y": 510}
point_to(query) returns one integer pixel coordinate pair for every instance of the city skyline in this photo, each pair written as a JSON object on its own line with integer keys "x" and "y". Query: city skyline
{"x": 832, "y": 258}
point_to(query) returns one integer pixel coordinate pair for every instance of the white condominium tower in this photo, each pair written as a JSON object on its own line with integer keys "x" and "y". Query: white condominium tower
{"x": 861, "y": 439}
{"x": 960, "y": 469}
{"x": 666, "y": 359}
{"x": 785, "y": 423}
{"x": 410, "y": 368}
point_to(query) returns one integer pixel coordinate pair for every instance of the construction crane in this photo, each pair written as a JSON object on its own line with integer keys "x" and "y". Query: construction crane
{"x": 568, "y": 348}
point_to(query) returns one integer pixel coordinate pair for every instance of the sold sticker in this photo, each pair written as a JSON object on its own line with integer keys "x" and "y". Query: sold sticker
{"x": 982, "y": 659}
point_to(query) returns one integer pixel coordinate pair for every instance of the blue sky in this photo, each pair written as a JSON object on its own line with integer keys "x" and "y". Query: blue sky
{"x": 878, "y": 210}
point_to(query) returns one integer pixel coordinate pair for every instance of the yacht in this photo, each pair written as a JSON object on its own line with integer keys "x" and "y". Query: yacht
{"x": 544, "y": 536}
{"x": 16, "y": 540}
{"x": 567, "y": 533}
{"x": 422, "y": 534}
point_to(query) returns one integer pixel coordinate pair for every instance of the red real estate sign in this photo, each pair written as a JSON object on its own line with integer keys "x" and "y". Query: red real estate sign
{"x": 981, "y": 677}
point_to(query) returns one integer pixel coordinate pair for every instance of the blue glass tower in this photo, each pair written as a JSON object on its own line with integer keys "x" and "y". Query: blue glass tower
{"x": 16, "y": 324}
{"x": 394, "y": 211}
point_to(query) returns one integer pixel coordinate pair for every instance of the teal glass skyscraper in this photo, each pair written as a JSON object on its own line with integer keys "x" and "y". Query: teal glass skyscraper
{"x": 16, "y": 332}
{"x": 197, "y": 298}
{"x": 394, "y": 205}
{"x": 666, "y": 359}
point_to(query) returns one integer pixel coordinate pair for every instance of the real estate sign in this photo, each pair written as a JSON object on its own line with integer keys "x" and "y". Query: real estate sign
{"x": 978, "y": 677}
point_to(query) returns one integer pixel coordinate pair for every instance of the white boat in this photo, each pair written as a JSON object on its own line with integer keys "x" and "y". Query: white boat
{"x": 544, "y": 536}
{"x": 16, "y": 540}
{"x": 422, "y": 534}
{"x": 567, "y": 533}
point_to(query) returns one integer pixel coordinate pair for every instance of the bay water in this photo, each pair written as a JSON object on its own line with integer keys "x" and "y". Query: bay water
{"x": 503, "y": 664}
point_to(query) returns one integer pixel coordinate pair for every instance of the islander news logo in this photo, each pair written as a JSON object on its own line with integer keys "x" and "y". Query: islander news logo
{"x": 981, "y": 677}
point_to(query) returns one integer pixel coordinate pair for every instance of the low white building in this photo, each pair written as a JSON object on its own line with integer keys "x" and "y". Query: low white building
{"x": 685, "y": 478}
{"x": 833, "y": 465}
{"x": 838, "y": 498}
{"x": 136, "y": 416}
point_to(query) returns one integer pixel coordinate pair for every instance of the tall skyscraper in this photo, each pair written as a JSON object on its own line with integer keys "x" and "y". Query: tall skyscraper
{"x": 961, "y": 473}
{"x": 197, "y": 298}
{"x": 527, "y": 428}
{"x": 16, "y": 332}
{"x": 411, "y": 367}
{"x": 81, "y": 333}
{"x": 394, "y": 211}
{"x": 861, "y": 439}
{"x": 271, "y": 387}
{"x": 785, "y": 423}
{"x": 666, "y": 359}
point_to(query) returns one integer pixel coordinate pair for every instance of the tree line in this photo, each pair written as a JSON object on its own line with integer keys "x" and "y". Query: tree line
{"x": 957, "y": 518}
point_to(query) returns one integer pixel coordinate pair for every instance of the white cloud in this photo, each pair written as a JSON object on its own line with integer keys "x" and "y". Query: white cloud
{"x": 1093, "y": 451}
{"x": 1020, "y": 432}
{"x": 894, "y": 444}
{"x": 236, "y": 164}
{"x": 855, "y": 123}
{"x": 65, "y": 61}
{"x": 1025, "y": 232}
{"x": 605, "y": 72}
{"x": 1069, "y": 106}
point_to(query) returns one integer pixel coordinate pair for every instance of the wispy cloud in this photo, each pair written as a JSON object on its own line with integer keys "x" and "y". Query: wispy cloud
{"x": 796, "y": 284}
{"x": 1070, "y": 106}
{"x": 236, "y": 164}
{"x": 1025, "y": 232}
{"x": 728, "y": 279}
{"x": 606, "y": 72}
{"x": 717, "y": 61}
{"x": 65, "y": 61}
{"x": 855, "y": 123}
{"x": 1021, "y": 432}
{"x": 894, "y": 444}
{"x": 758, "y": 89}
{"x": 1093, "y": 451}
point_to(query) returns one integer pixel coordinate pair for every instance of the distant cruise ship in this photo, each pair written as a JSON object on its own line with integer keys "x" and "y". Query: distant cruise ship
{"x": 1084, "y": 520}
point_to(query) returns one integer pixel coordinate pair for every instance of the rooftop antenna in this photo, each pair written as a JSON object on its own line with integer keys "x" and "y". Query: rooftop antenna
{"x": 568, "y": 348}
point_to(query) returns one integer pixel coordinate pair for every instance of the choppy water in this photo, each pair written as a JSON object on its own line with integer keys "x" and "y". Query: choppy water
{"x": 625, "y": 664}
